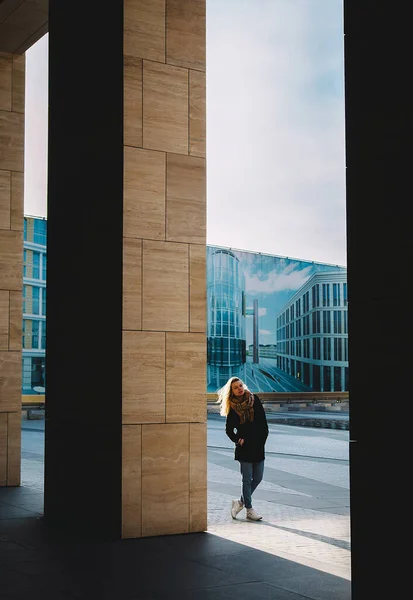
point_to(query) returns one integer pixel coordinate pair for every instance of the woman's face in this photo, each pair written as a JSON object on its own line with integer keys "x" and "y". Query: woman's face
{"x": 237, "y": 388}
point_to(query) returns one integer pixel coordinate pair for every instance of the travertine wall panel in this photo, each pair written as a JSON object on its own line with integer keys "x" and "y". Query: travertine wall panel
{"x": 197, "y": 113}
{"x": 6, "y": 80}
{"x": 144, "y": 194}
{"x": 185, "y": 377}
{"x": 145, "y": 29}
{"x": 4, "y": 320}
{"x": 165, "y": 479}
{"x": 132, "y": 284}
{"x": 131, "y": 481}
{"x": 17, "y": 201}
{"x": 15, "y": 320}
{"x": 143, "y": 377}
{"x": 10, "y": 381}
{"x": 12, "y": 141}
{"x": 197, "y": 477}
{"x": 165, "y": 286}
{"x": 11, "y": 260}
{"x": 18, "y": 84}
{"x": 5, "y": 196}
{"x": 185, "y": 199}
{"x": 197, "y": 287}
{"x": 133, "y": 101}
{"x": 165, "y": 107}
{"x": 185, "y": 33}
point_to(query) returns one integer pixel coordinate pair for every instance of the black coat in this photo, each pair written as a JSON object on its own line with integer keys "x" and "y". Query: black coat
{"x": 254, "y": 433}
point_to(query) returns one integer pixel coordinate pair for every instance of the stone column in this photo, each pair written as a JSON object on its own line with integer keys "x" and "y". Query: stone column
{"x": 11, "y": 262}
{"x": 126, "y": 352}
{"x": 164, "y": 278}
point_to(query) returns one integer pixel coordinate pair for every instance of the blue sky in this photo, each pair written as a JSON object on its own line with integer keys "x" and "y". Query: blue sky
{"x": 275, "y": 127}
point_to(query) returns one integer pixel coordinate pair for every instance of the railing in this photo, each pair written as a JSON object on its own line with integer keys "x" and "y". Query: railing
{"x": 295, "y": 397}
{"x": 30, "y": 402}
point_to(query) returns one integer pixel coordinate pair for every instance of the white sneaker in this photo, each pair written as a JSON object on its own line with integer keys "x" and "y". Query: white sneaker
{"x": 254, "y": 516}
{"x": 236, "y": 507}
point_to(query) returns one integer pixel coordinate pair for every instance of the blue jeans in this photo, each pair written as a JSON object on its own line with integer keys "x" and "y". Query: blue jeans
{"x": 252, "y": 474}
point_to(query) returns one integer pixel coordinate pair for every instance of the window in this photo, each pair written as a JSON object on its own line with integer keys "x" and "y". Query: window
{"x": 316, "y": 348}
{"x": 338, "y": 349}
{"x": 316, "y": 295}
{"x": 35, "y": 334}
{"x": 305, "y": 330}
{"x": 337, "y": 321}
{"x": 326, "y": 294}
{"x": 316, "y": 377}
{"x": 326, "y": 321}
{"x": 327, "y": 348}
{"x": 316, "y": 321}
{"x": 345, "y": 294}
{"x": 35, "y": 300}
{"x": 44, "y": 301}
{"x": 306, "y": 302}
{"x": 43, "y": 335}
{"x": 336, "y": 294}
{"x": 39, "y": 236}
{"x": 24, "y": 299}
{"x": 298, "y": 308}
{"x": 327, "y": 379}
{"x": 36, "y": 265}
{"x": 337, "y": 379}
{"x": 44, "y": 267}
{"x": 24, "y": 261}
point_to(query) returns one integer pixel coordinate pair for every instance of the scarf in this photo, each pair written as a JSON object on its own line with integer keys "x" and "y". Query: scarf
{"x": 243, "y": 406}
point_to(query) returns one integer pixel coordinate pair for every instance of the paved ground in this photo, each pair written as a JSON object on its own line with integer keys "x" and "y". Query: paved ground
{"x": 301, "y": 549}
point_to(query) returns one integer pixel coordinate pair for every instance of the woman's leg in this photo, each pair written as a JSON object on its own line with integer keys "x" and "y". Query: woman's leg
{"x": 257, "y": 475}
{"x": 246, "y": 472}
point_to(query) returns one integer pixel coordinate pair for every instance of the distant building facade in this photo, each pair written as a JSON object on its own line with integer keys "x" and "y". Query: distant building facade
{"x": 34, "y": 304}
{"x": 226, "y": 343}
{"x": 312, "y": 333}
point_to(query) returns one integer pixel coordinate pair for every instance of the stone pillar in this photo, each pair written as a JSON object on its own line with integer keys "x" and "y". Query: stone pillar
{"x": 126, "y": 357}
{"x": 11, "y": 262}
{"x": 164, "y": 279}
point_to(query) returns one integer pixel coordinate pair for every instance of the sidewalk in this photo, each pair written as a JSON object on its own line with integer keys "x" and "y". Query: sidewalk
{"x": 301, "y": 548}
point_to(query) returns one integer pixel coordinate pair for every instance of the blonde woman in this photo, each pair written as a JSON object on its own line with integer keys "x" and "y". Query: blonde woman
{"x": 247, "y": 427}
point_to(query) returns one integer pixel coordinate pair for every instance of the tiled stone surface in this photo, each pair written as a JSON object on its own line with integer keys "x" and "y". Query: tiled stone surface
{"x": 317, "y": 538}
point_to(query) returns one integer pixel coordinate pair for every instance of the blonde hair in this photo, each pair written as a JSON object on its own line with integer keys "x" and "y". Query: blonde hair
{"x": 225, "y": 394}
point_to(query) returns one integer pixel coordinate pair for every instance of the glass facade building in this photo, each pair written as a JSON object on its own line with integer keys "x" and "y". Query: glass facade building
{"x": 226, "y": 328}
{"x": 312, "y": 333}
{"x": 34, "y": 304}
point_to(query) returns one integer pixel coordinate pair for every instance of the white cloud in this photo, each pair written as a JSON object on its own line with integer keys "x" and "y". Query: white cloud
{"x": 262, "y": 312}
{"x": 278, "y": 282}
{"x": 265, "y": 332}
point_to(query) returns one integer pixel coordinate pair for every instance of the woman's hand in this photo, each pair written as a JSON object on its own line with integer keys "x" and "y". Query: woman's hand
{"x": 241, "y": 441}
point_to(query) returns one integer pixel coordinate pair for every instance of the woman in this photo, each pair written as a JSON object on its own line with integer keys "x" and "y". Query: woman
{"x": 247, "y": 427}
